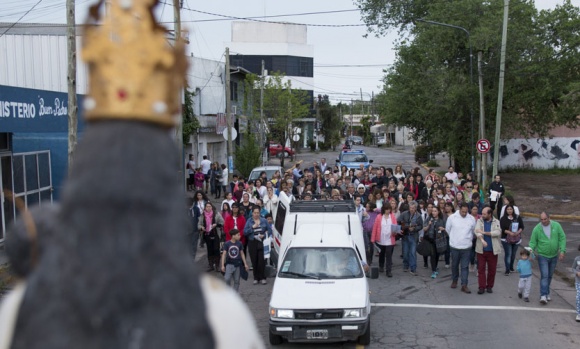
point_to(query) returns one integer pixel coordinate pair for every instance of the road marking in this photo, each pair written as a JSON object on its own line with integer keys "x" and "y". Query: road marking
{"x": 476, "y": 307}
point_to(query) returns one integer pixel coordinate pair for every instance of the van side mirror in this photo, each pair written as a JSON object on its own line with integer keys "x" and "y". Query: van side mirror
{"x": 370, "y": 161}
{"x": 337, "y": 160}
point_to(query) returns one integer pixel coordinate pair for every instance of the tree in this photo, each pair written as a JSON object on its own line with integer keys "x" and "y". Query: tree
{"x": 365, "y": 129}
{"x": 247, "y": 156}
{"x": 428, "y": 87}
{"x": 190, "y": 121}
{"x": 330, "y": 122}
{"x": 282, "y": 106}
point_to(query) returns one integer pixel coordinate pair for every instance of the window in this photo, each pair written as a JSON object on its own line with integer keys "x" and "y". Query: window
{"x": 303, "y": 67}
{"x": 280, "y": 218}
{"x": 321, "y": 263}
{"x": 354, "y": 158}
{"x": 233, "y": 91}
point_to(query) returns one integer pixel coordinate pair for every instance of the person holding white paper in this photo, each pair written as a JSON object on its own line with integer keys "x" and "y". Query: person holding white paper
{"x": 496, "y": 191}
{"x": 512, "y": 226}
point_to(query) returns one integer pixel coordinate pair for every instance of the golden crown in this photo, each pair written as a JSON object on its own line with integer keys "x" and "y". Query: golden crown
{"x": 134, "y": 73}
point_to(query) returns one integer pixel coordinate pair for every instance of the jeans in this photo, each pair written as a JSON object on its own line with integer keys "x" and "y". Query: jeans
{"x": 410, "y": 252}
{"x": 578, "y": 298}
{"x": 447, "y": 252}
{"x": 460, "y": 257}
{"x": 547, "y": 267}
{"x": 232, "y": 271}
{"x": 510, "y": 251}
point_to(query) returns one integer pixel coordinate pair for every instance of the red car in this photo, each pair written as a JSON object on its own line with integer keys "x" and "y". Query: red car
{"x": 275, "y": 149}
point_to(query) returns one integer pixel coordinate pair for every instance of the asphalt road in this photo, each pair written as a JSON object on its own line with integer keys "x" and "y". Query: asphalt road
{"x": 420, "y": 312}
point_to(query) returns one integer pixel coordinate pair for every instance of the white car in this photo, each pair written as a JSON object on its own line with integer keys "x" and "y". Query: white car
{"x": 270, "y": 170}
{"x": 321, "y": 293}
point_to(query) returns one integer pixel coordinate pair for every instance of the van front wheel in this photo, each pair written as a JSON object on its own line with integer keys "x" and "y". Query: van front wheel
{"x": 365, "y": 339}
{"x": 275, "y": 339}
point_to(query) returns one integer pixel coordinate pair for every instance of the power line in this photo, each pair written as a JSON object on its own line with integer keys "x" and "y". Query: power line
{"x": 254, "y": 19}
{"x": 27, "y": 12}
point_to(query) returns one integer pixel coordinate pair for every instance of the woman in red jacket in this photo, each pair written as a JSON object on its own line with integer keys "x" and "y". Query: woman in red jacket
{"x": 384, "y": 237}
{"x": 235, "y": 220}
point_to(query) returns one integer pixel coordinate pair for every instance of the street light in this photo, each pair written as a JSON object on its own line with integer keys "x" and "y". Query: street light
{"x": 470, "y": 80}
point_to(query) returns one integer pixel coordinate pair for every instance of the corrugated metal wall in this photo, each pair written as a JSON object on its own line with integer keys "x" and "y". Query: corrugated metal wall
{"x": 38, "y": 62}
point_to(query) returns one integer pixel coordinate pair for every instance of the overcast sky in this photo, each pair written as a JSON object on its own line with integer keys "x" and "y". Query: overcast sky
{"x": 344, "y": 48}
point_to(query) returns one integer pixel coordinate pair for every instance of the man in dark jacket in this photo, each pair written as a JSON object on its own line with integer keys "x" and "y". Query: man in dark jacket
{"x": 496, "y": 192}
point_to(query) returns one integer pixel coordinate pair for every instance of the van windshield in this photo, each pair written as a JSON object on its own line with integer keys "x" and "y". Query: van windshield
{"x": 321, "y": 263}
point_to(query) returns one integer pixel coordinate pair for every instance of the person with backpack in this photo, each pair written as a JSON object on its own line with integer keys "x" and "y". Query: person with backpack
{"x": 512, "y": 226}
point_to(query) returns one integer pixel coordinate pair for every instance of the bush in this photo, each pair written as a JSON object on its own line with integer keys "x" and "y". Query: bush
{"x": 247, "y": 156}
{"x": 432, "y": 163}
{"x": 312, "y": 145}
{"x": 422, "y": 153}
{"x": 324, "y": 146}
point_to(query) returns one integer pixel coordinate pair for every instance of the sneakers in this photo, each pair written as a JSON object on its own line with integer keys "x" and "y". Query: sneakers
{"x": 433, "y": 275}
{"x": 578, "y": 318}
{"x": 526, "y": 299}
{"x": 507, "y": 273}
{"x": 414, "y": 273}
{"x": 543, "y": 300}
{"x": 481, "y": 291}
{"x": 405, "y": 270}
{"x": 264, "y": 281}
{"x": 548, "y": 298}
{"x": 255, "y": 282}
{"x": 489, "y": 290}
{"x": 381, "y": 270}
{"x": 520, "y": 295}
{"x": 446, "y": 266}
{"x": 389, "y": 275}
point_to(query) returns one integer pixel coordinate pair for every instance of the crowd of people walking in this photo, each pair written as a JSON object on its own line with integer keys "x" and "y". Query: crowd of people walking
{"x": 448, "y": 219}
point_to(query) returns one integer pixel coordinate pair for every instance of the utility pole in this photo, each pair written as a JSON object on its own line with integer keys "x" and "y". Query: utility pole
{"x": 481, "y": 120}
{"x": 500, "y": 91}
{"x": 318, "y": 99}
{"x": 71, "y": 80}
{"x": 362, "y": 110}
{"x": 229, "y": 118}
{"x": 262, "y": 122}
{"x": 351, "y": 118}
{"x": 179, "y": 126}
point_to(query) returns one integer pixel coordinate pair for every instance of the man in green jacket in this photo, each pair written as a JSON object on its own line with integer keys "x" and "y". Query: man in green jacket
{"x": 549, "y": 242}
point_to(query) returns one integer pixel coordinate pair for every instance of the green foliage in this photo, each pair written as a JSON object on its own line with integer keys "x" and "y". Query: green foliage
{"x": 422, "y": 153}
{"x": 330, "y": 121}
{"x": 282, "y": 106}
{"x": 365, "y": 130}
{"x": 190, "y": 121}
{"x": 312, "y": 145}
{"x": 432, "y": 163}
{"x": 428, "y": 88}
{"x": 247, "y": 156}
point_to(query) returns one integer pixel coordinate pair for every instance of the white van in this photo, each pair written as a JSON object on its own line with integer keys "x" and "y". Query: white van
{"x": 321, "y": 293}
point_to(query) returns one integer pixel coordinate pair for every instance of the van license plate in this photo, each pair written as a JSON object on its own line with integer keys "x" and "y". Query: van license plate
{"x": 316, "y": 334}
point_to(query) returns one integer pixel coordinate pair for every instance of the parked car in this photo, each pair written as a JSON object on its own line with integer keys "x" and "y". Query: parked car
{"x": 276, "y": 149}
{"x": 270, "y": 170}
{"x": 355, "y": 140}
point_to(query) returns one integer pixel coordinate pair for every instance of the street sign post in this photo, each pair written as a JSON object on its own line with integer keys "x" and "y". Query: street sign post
{"x": 483, "y": 146}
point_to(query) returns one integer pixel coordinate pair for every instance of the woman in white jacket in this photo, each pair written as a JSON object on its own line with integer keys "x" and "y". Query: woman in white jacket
{"x": 271, "y": 201}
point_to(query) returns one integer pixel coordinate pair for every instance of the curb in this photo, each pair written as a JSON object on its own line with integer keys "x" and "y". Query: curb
{"x": 555, "y": 216}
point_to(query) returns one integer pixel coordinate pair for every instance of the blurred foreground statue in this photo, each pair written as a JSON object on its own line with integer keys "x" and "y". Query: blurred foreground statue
{"x": 110, "y": 266}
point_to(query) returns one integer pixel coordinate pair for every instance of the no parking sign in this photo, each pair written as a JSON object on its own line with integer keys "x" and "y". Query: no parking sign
{"x": 483, "y": 146}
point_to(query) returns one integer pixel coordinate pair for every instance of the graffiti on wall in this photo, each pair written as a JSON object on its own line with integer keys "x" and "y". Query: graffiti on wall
{"x": 561, "y": 152}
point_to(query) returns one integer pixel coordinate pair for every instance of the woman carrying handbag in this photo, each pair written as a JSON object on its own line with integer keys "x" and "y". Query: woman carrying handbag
{"x": 434, "y": 232}
{"x": 211, "y": 223}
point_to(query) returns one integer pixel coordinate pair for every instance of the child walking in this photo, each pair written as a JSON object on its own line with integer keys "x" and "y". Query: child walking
{"x": 525, "y": 269}
{"x": 198, "y": 179}
{"x": 232, "y": 259}
{"x": 576, "y": 269}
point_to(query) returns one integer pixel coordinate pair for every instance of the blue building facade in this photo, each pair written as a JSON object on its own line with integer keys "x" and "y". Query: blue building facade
{"x": 33, "y": 147}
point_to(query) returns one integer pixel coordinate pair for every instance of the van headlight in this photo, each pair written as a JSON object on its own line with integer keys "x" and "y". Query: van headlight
{"x": 358, "y": 312}
{"x": 281, "y": 313}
